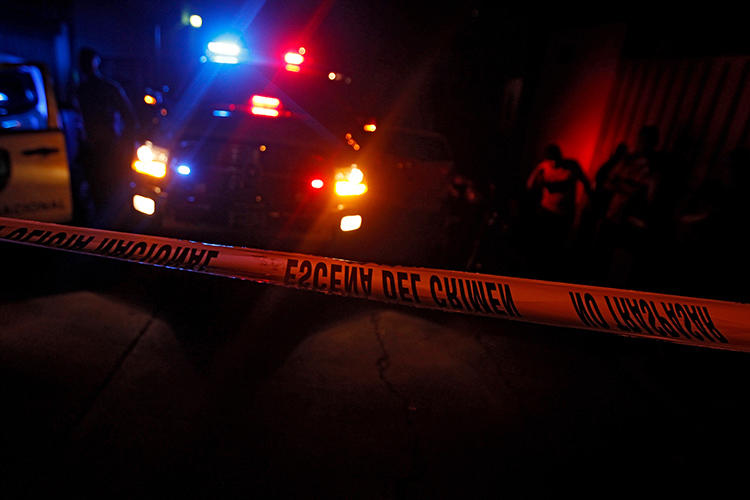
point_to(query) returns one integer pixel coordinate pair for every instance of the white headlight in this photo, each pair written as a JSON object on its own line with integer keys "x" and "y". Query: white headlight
{"x": 356, "y": 176}
{"x": 350, "y": 223}
{"x": 145, "y": 153}
{"x": 144, "y": 204}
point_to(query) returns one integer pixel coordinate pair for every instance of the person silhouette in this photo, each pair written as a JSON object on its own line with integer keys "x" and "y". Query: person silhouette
{"x": 630, "y": 188}
{"x": 556, "y": 178}
{"x": 109, "y": 125}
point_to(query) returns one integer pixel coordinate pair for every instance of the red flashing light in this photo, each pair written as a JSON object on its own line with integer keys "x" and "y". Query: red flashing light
{"x": 265, "y": 102}
{"x": 264, "y": 111}
{"x": 264, "y": 106}
{"x": 294, "y": 58}
{"x": 317, "y": 183}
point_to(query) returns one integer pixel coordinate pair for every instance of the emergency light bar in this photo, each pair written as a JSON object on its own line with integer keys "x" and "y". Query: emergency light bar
{"x": 224, "y": 52}
{"x": 293, "y": 58}
{"x": 224, "y": 48}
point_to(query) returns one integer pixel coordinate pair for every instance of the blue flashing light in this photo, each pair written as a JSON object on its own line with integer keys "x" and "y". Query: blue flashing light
{"x": 222, "y": 48}
{"x": 3, "y": 97}
{"x": 222, "y": 113}
{"x": 183, "y": 170}
{"x": 225, "y": 51}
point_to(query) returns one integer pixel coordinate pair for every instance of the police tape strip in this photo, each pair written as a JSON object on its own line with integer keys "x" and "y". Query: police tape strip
{"x": 685, "y": 320}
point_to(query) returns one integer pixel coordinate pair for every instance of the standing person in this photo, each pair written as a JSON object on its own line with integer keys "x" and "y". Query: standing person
{"x": 596, "y": 253}
{"x": 629, "y": 217}
{"x": 557, "y": 178}
{"x": 602, "y": 195}
{"x": 110, "y": 127}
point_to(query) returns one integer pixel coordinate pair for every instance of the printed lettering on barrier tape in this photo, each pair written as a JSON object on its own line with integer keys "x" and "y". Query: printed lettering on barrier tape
{"x": 701, "y": 322}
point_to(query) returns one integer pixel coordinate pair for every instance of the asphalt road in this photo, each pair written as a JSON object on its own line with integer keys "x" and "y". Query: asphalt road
{"x": 123, "y": 380}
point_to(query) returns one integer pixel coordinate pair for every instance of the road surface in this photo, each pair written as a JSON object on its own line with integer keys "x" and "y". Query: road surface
{"x": 118, "y": 379}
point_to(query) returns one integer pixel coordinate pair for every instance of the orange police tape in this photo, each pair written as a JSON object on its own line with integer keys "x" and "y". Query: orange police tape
{"x": 685, "y": 320}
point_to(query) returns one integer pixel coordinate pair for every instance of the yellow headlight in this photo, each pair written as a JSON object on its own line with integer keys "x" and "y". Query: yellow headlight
{"x": 152, "y": 168}
{"x": 346, "y": 188}
{"x": 350, "y": 182}
{"x": 152, "y": 160}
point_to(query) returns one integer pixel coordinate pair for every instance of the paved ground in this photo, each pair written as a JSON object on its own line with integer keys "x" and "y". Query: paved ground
{"x": 124, "y": 380}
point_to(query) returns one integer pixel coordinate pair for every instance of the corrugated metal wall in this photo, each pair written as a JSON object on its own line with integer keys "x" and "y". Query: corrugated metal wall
{"x": 701, "y": 107}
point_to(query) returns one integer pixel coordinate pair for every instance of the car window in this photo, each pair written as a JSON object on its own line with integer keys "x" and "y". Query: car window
{"x": 22, "y": 102}
{"x": 237, "y": 123}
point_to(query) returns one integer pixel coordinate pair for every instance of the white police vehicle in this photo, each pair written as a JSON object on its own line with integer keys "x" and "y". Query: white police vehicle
{"x": 35, "y": 178}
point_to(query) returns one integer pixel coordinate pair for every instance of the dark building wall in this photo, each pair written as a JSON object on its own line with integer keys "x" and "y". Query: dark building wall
{"x": 38, "y": 32}
{"x": 598, "y": 86}
{"x": 701, "y": 106}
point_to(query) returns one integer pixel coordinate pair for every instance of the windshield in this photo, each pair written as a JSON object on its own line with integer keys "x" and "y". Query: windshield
{"x": 237, "y": 123}
{"x": 22, "y": 100}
